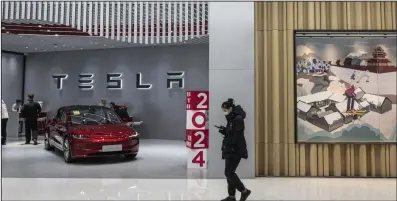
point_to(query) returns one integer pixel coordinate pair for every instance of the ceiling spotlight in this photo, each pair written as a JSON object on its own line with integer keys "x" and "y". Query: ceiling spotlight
{"x": 48, "y": 30}
{"x": 39, "y": 26}
{"x": 56, "y": 35}
{"x": 3, "y": 28}
{"x": 27, "y": 47}
{"x": 8, "y": 32}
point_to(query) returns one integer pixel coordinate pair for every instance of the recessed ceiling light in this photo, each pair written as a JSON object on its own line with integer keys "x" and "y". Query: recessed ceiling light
{"x": 39, "y": 26}
{"x": 48, "y": 30}
{"x": 27, "y": 47}
{"x": 3, "y": 28}
{"x": 56, "y": 35}
{"x": 8, "y": 32}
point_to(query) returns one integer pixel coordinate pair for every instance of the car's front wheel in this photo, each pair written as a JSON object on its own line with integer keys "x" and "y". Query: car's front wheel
{"x": 47, "y": 143}
{"x": 67, "y": 154}
{"x": 130, "y": 156}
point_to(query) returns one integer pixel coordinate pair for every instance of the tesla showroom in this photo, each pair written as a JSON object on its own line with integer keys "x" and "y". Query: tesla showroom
{"x": 198, "y": 100}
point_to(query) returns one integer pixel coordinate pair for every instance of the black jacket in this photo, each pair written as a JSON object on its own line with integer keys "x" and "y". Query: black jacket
{"x": 234, "y": 144}
{"x": 31, "y": 110}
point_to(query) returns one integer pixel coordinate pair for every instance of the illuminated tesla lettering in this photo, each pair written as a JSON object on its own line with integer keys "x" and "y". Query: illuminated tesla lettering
{"x": 86, "y": 81}
{"x": 139, "y": 84}
{"x": 175, "y": 78}
{"x": 114, "y": 81}
{"x": 59, "y": 79}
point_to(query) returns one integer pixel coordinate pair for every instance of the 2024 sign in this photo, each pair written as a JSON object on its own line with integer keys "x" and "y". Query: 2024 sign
{"x": 197, "y": 137}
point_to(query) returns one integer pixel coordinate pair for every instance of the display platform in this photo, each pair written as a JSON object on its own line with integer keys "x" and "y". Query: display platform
{"x": 160, "y": 159}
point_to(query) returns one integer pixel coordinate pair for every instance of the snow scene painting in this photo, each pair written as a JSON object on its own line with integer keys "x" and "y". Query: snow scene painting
{"x": 346, "y": 87}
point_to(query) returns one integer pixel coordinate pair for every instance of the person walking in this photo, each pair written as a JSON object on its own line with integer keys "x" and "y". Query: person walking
{"x": 30, "y": 112}
{"x": 4, "y": 120}
{"x": 234, "y": 148}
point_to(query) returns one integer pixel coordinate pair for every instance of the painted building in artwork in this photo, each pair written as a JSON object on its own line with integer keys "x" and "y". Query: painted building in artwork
{"x": 378, "y": 104}
{"x": 379, "y": 63}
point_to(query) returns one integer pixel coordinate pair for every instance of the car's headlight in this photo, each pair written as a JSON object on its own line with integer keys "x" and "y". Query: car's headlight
{"x": 134, "y": 134}
{"x": 81, "y": 137}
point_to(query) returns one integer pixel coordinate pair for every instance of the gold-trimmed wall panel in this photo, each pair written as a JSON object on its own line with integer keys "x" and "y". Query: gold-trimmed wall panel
{"x": 276, "y": 151}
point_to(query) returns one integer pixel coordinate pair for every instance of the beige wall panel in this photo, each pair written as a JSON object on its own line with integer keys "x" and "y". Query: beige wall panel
{"x": 276, "y": 151}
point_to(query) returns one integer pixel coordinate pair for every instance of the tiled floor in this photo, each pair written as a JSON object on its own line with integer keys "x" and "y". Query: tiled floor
{"x": 92, "y": 181}
{"x": 182, "y": 189}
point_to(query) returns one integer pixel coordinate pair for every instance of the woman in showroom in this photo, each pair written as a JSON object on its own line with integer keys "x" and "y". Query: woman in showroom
{"x": 4, "y": 120}
{"x": 234, "y": 148}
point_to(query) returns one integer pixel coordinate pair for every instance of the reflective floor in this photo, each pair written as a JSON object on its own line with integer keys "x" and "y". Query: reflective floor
{"x": 29, "y": 161}
{"x": 182, "y": 189}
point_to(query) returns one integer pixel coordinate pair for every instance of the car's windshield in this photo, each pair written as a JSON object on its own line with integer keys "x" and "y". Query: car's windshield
{"x": 93, "y": 115}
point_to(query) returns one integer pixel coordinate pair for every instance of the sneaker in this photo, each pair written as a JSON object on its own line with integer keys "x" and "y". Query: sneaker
{"x": 245, "y": 195}
{"x": 228, "y": 198}
{"x": 35, "y": 142}
{"x": 27, "y": 142}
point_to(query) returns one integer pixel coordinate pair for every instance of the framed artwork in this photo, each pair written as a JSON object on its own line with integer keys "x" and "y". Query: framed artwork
{"x": 345, "y": 86}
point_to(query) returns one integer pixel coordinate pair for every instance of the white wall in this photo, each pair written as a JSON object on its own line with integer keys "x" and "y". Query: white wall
{"x": 231, "y": 74}
{"x": 11, "y": 87}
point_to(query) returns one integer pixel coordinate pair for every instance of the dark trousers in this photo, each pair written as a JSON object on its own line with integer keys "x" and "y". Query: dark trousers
{"x": 30, "y": 129}
{"x": 233, "y": 182}
{"x": 350, "y": 103}
{"x": 4, "y": 130}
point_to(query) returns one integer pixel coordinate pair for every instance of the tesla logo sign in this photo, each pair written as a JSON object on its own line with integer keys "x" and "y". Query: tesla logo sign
{"x": 115, "y": 81}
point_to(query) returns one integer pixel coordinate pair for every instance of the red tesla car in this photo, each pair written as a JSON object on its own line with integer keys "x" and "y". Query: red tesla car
{"x": 90, "y": 131}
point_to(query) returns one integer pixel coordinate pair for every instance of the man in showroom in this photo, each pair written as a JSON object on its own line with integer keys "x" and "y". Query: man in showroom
{"x": 30, "y": 112}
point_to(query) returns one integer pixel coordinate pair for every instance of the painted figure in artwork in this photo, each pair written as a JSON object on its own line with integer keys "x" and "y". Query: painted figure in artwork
{"x": 350, "y": 98}
{"x": 364, "y": 75}
{"x": 353, "y": 76}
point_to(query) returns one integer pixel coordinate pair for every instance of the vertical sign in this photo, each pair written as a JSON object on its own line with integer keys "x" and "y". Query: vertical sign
{"x": 197, "y": 128}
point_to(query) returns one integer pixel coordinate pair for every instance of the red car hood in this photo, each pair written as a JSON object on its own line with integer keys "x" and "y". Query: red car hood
{"x": 105, "y": 131}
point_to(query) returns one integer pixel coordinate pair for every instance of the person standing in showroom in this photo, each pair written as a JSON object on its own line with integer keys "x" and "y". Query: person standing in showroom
{"x": 234, "y": 148}
{"x": 4, "y": 120}
{"x": 30, "y": 112}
